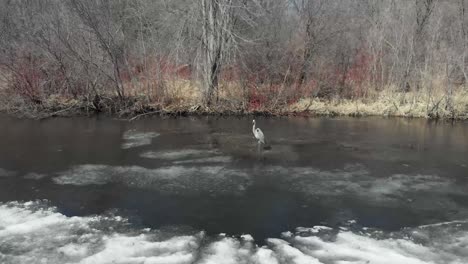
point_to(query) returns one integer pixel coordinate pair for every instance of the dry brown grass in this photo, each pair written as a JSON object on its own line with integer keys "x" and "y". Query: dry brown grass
{"x": 412, "y": 104}
{"x": 185, "y": 96}
{"x": 183, "y": 91}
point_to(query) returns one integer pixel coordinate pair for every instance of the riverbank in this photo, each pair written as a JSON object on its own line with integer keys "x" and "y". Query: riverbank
{"x": 385, "y": 104}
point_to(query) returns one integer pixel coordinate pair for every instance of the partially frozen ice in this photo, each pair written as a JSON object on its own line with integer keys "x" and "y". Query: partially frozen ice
{"x": 6, "y": 173}
{"x": 134, "y": 139}
{"x": 35, "y": 233}
{"x": 168, "y": 179}
{"x": 178, "y": 154}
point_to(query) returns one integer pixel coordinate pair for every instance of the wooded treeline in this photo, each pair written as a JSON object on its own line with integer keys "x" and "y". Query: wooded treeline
{"x": 246, "y": 53}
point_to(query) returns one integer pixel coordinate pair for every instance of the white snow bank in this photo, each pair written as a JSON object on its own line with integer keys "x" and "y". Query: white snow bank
{"x": 29, "y": 234}
{"x": 34, "y": 233}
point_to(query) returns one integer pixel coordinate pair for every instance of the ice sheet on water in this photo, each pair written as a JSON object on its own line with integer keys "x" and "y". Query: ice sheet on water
{"x": 321, "y": 182}
{"x": 356, "y": 180}
{"x": 215, "y": 179}
{"x": 179, "y": 154}
{"x": 35, "y": 233}
{"x": 134, "y": 139}
{"x": 289, "y": 254}
{"x": 410, "y": 183}
{"x": 85, "y": 175}
{"x": 315, "y": 229}
{"x": 219, "y": 176}
{"x": 34, "y": 176}
{"x": 6, "y": 173}
{"x": 247, "y": 237}
{"x": 216, "y": 159}
{"x": 225, "y": 251}
{"x": 189, "y": 156}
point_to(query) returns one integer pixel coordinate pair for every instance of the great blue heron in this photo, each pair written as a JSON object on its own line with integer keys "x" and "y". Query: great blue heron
{"x": 258, "y": 133}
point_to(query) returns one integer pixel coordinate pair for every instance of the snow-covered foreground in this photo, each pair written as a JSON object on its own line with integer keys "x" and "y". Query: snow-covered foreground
{"x": 34, "y": 232}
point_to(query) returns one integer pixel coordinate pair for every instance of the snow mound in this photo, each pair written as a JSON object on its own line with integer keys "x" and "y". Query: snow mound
{"x": 32, "y": 232}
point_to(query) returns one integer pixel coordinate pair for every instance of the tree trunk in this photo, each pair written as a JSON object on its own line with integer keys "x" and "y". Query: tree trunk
{"x": 216, "y": 22}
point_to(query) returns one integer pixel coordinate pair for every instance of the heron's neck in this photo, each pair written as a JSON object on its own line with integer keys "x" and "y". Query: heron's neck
{"x": 253, "y": 128}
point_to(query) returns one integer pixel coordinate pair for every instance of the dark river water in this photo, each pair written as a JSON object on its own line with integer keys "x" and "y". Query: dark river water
{"x": 199, "y": 190}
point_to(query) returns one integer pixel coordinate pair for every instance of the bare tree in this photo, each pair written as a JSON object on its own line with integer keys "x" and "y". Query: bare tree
{"x": 104, "y": 19}
{"x": 463, "y": 20}
{"x": 216, "y": 28}
{"x": 275, "y": 51}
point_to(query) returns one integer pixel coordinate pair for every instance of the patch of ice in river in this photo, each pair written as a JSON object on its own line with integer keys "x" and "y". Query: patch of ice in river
{"x": 319, "y": 182}
{"x": 35, "y": 233}
{"x": 218, "y": 159}
{"x": 119, "y": 248}
{"x": 6, "y": 173}
{"x": 458, "y": 222}
{"x": 218, "y": 177}
{"x": 85, "y": 175}
{"x": 247, "y": 237}
{"x": 357, "y": 180}
{"x": 225, "y": 251}
{"x": 134, "y": 139}
{"x": 264, "y": 256}
{"x": 315, "y": 229}
{"x": 179, "y": 179}
{"x": 289, "y": 254}
{"x": 409, "y": 183}
{"x": 178, "y": 154}
{"x": 34, "y": 176}
{"x": 73, "y": 250}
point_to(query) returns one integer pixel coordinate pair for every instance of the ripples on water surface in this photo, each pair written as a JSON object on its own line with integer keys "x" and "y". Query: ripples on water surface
{"x": 196, "y": 190}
